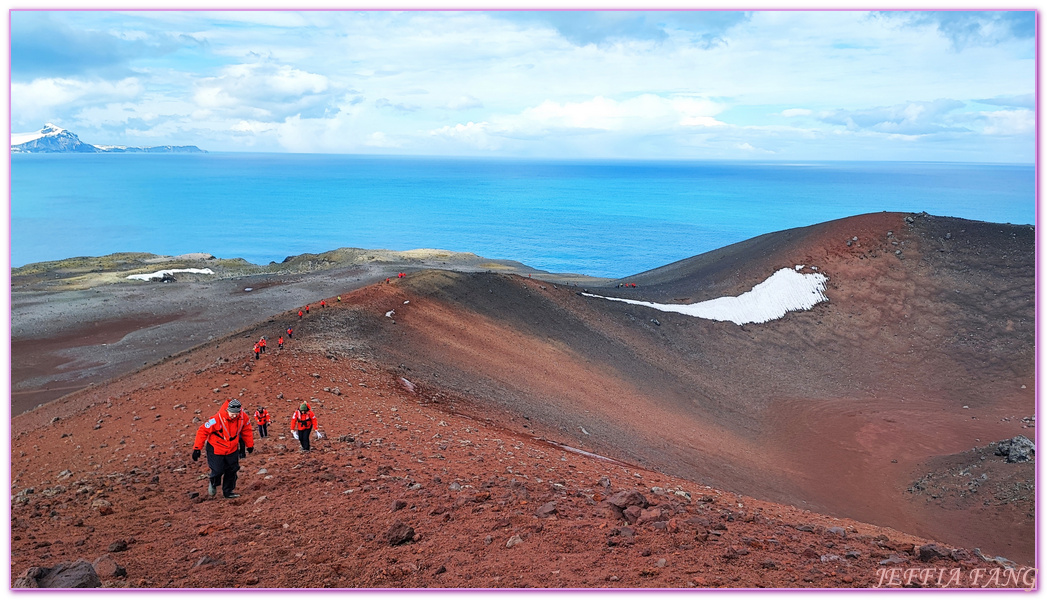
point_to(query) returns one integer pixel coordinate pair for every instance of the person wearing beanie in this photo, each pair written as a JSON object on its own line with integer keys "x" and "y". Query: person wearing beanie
{"x": 227, "y": 437}
{"x": 303, "y": 422}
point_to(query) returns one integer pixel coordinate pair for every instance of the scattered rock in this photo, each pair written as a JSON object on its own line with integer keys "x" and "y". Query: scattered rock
{"x": 118, "y": 546}
{"x": 514, "y": 541}
{"x": 607, "y": 510}
{"x": 103, "y": 506}
{"x": 399, "y": 505}
{"x": 106, "y": 567}
{"x": 651, "y": 515}
{"x": 627, "y": 498}
{"x": 546, "y": 510}
{"x": 932, "y": 551}
{"x": 632, "y": 513}
{"x": 893, "y": 559}
{"x": 399, "y": 533}
{"x": 206, "y": 560}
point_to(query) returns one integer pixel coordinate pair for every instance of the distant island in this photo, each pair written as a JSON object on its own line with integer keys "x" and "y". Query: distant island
{"x": 52, "y": 138}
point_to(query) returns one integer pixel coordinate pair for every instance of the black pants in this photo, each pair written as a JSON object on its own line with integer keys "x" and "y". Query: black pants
{"x": 263, "y": 430}
{"x": 223, "y": 469}
{"x": 303, "y": 437}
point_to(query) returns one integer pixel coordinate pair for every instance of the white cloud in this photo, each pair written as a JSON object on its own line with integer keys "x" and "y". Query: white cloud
{"x": 253, "y": 127}
{"x": 260, "y": 90}
{"x": 747, "y": 147}
{"x": 911, "y": 118}
{"x": 464, "y": 103}
{"x": 39, "y": 99}
{"x": 1009, "y": 122}
{"x": 646, "y": 113}
{"x": 469, "y": 134}
{"x": 523, "y": 89}
{"x": 378, "y": 139}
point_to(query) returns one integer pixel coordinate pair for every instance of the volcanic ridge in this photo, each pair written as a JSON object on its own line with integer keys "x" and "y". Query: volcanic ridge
{"x": 502, "y": 427}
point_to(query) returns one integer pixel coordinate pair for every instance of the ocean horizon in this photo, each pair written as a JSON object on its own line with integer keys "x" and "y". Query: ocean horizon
{"x": 605, "y": 218}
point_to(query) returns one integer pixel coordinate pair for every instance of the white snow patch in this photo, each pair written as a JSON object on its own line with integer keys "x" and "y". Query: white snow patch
{"x": 159, "y": 274}
{"x": 784, "y": 291}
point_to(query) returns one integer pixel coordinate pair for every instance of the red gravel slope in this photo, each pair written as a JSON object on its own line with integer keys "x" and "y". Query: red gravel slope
{"x": 781, "y": 438}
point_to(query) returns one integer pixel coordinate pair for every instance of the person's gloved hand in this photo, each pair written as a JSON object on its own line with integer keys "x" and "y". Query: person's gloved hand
{"x": 250, "y": 450}
{"x": 196, "y": 455}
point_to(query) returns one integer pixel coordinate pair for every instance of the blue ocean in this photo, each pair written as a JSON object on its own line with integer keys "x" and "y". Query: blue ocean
{"x": 600, "y": 218}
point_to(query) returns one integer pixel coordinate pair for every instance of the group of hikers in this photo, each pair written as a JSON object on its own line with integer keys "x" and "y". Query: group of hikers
{"x": 260, "y": 345}
{"x": 305, "y": 310}
{"x": 228, "y": 436}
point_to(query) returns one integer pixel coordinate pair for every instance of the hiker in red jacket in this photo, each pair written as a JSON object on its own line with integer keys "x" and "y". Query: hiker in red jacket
{"x": 261, "y": 344}
{"x": 290, "y": 333}
{"x": 226, "y": 436}
{"x": 280, "y": 342}
{"x": 323, "y": 303}
{"x": 257, "y": 350}
{"x": 300, "y": 314}
{"x": 262, "y": 418}
{"x": 303, "y": 422}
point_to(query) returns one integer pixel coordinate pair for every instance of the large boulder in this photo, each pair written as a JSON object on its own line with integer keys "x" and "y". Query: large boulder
{"x": 77, "y": 574}
{"x": 1017, "y": 449}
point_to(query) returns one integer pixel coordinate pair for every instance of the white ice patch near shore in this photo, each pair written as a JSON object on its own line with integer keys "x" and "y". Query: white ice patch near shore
{"x": 784, "y": 291}
{"x": 161, "y": 274}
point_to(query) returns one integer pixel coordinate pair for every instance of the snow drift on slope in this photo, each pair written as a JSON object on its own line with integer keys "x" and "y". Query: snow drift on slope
{"x": 784, "y": 291}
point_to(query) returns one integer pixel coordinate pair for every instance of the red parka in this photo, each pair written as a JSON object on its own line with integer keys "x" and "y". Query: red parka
{"x": 262, "y": 418}
{"x": 224, "y": 433}
{"x": 303, "y": 420}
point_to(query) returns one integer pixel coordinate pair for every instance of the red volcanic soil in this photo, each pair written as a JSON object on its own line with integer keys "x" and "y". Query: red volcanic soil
{"x": 107, "y": 478}
{"x": 793, "y": 453}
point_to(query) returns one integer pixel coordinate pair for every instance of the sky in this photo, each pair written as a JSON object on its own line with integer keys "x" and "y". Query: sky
{"x": 771, "y": 85}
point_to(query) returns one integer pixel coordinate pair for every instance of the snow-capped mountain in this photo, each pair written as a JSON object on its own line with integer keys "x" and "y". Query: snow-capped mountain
{"x": 55, "y": 139}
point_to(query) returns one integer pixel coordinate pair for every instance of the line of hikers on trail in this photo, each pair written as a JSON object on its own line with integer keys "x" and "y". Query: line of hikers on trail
{"x": 260, "y": 345}
{"x": 227, "y": 437}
